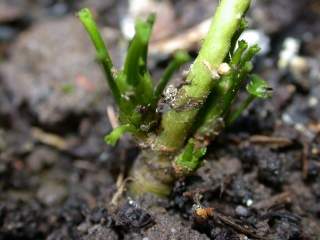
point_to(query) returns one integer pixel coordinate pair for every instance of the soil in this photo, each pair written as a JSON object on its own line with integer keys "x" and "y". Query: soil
{"x": 261, "y": 177}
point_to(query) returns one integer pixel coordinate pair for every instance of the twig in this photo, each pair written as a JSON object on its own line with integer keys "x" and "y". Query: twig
{"x": 112, "y": 116}
{"x": 121, "y": 187}
{"x": 282, "y": 198}
{"x": 277, "y": 141}
{"x": 49, "y": 139}
{"x": 203, "y": 213}
{"x": 241, "y": 229}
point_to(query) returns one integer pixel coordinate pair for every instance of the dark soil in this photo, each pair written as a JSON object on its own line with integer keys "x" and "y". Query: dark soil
{"x": 57, "y": 177}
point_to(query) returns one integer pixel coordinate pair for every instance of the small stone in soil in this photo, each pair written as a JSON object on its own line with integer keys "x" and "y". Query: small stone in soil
{"x": 133, "y": 216}
{"x": 242, "y": 211}
{"x": 271, "y": 171}
{"x": 101, "y": 215}
{"x": 51, "y": 193}
{"x": 241, "y": 192}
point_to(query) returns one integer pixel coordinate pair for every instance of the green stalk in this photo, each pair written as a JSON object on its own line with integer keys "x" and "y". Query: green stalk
{"x": 117, "y": 133}
{"x": 172, "y": 150}
{"x": 210, "y": 121}
{"x": 156, "y": 169}
{"x": 257, "y": 88}
{"x": 179, "y": 59}
{"x": 212, "y": 116}
{"x": 176, "y": 123}
{"x": 240, "y": 109}
{"x": 103, "y": 55}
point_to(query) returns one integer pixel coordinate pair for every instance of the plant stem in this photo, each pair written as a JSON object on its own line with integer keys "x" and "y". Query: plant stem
{"x": 177, "y": 122}
{"x": 179, "y": 59}
{"x": 103, "y": 55}
{"x": 240, "y": 109}
{"x": 210, "y": 120}
{"x": 154, "y": 171}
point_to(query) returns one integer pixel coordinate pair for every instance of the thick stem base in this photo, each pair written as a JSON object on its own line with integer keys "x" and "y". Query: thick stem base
{"x": 152, "y": 173}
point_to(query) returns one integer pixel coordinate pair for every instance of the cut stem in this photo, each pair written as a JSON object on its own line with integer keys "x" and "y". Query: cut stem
{"x": 176, "y": 123}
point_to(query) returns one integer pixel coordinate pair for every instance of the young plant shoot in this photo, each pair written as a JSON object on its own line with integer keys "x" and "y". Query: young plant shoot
{"x": 174, "y": 142}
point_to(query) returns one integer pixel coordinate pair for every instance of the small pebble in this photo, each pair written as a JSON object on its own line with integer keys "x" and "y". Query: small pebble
{"x": 133, "y": 216}
{"x": 83, "y": 227}
{"x": 173, "y": 230}
{"x": 242, "y": 211}
{"x": 51, "y": 193}
{"x": 289, "y": 50}
{"x": 249, "y": 202}
{"x": 312, "y": 102}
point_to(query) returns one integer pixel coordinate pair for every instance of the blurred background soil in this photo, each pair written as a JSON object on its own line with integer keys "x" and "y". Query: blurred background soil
{"x": 58, "y": 177}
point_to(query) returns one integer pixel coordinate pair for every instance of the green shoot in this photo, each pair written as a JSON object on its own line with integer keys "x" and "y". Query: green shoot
{"x": 190, "y": 159}
{"x": 175, "y": 141}
{"x": 103, "y": 55}
{"x": 117, "y": 133}
{"x": 257, "y": 88}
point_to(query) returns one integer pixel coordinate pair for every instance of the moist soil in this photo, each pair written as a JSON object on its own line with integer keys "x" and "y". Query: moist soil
{"x": 260, "y": 179}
